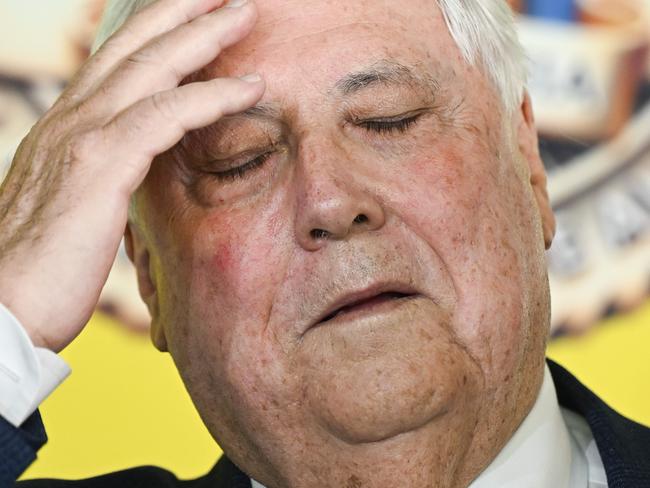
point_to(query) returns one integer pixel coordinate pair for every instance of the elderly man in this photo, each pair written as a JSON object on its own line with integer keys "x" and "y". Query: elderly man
{"x": 343, "y": 251}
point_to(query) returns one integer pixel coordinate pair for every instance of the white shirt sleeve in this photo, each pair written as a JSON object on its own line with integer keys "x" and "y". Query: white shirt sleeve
{"x": 28, "y": 374}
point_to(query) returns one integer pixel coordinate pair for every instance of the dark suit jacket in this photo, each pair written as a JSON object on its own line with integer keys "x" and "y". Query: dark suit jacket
{"x": 624, "y": 447}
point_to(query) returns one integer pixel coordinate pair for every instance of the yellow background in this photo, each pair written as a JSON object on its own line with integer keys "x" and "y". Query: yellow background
{"x": 124, "y": 404}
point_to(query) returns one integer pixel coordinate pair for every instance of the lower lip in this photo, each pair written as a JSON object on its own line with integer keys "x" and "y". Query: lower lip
{"x": 374, "y": 306}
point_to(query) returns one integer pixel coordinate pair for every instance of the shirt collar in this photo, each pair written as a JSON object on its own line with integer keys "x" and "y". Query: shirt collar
{"x": 539, "y": 454}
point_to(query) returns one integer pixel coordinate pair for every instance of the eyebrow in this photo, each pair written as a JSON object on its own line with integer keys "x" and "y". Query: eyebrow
{"x": 260, "y": 111}
{"x": 385, "y": 72}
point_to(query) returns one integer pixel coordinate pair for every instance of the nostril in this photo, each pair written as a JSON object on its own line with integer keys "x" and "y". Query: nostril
{"x": 319, "y": 234}
{"x": 360, "y": 219}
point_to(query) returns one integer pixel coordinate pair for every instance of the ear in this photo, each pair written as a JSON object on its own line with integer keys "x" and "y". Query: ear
{"x": 529, "y": 147}
{"x": 138, "y": 253}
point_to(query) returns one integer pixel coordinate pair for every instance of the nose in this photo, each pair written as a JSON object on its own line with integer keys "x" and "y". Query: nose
{"x": 334, "y": 202}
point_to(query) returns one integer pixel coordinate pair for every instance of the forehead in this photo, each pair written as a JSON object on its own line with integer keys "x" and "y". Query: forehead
{"x": 322, "y": 41}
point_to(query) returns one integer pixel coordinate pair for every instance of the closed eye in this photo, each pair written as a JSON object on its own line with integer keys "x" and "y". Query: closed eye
{"x": 381, "y": 126}
{"x": 387, "y": 126}
{"x": 241, "y": 171}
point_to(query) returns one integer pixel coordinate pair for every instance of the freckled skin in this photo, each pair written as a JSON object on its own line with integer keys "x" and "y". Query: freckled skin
{"x": 423, "y": 395}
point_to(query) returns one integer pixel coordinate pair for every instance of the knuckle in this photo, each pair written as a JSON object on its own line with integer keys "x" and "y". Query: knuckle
{"x": 87, "y": 108}
{"x": 145, "y": 57}
{"x": 69, "y": 97}
{"x": 81, "y": 147}
{"x": 164, "y": 103}
{"x": 138, "y": 60}
{"x": 49, "y": 130}
{"x": 93, "y": 111}
{"x": 152, "y": 58}
{"x": 55, "y": 117}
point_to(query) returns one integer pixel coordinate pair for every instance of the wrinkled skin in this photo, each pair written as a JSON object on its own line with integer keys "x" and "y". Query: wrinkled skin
{"x": 416, "y": 392}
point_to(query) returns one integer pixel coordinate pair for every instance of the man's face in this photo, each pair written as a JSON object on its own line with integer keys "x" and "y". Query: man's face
{"x": 350, "y": 276}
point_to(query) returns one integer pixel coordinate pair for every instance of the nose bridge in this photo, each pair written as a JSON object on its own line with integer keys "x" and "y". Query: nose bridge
{"x": 334, "y": 199}
{"x": 322, "y": 164}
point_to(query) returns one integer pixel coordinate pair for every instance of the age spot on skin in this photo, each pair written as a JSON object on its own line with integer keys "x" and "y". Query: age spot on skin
{"x": 353, "y": 482}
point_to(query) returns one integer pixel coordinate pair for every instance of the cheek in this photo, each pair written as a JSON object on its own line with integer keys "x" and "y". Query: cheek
{"x": 464, "y": 202}
{"x": 440, "y": 196}
{"x": 233, "y": 265}
{"x": 239, "y": 262}
{"x": 221, "y": 268}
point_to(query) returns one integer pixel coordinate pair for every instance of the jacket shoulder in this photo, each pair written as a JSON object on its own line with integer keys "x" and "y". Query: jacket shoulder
{"x": 135, "y": 477}
{"x": 223, "y": 475}
{"x": 622, "y": 443}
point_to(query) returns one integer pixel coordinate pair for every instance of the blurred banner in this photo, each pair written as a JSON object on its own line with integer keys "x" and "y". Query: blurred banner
{"x": 590, "y": 84}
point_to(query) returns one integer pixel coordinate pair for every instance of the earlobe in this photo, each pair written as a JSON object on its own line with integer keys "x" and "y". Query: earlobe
{"x": 139, "y": 255}
{"x": 529, "y": 148}
{"x": 158, "y": 337}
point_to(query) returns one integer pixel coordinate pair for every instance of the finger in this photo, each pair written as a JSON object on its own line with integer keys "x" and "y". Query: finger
{"x": 164, "y": 62}
{"x": 148, "y": 23}
{"x": 155, "y": 124}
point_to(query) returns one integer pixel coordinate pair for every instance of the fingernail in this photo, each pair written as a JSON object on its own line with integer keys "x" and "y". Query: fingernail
{"x": 235, "y": 3}
{"x": 251, "y": 78}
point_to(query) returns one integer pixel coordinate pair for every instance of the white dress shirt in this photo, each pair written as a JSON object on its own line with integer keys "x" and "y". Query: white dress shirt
{"x": 552, "y": 448}
{"x": 28, "y": 374}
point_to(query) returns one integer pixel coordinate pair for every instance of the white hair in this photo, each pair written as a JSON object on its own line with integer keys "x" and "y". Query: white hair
{"x": 484, "y": 31}
{"x": 486, "y": 35}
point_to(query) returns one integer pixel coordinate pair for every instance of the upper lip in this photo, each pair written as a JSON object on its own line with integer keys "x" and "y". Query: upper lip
{"x": 352, "y": 297}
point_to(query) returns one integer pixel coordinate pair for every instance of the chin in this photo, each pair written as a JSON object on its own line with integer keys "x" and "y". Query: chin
{"x": 389, "y": 391}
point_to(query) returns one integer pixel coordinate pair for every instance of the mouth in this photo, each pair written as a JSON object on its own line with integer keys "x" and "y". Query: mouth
{"x": 356, "y": 305}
